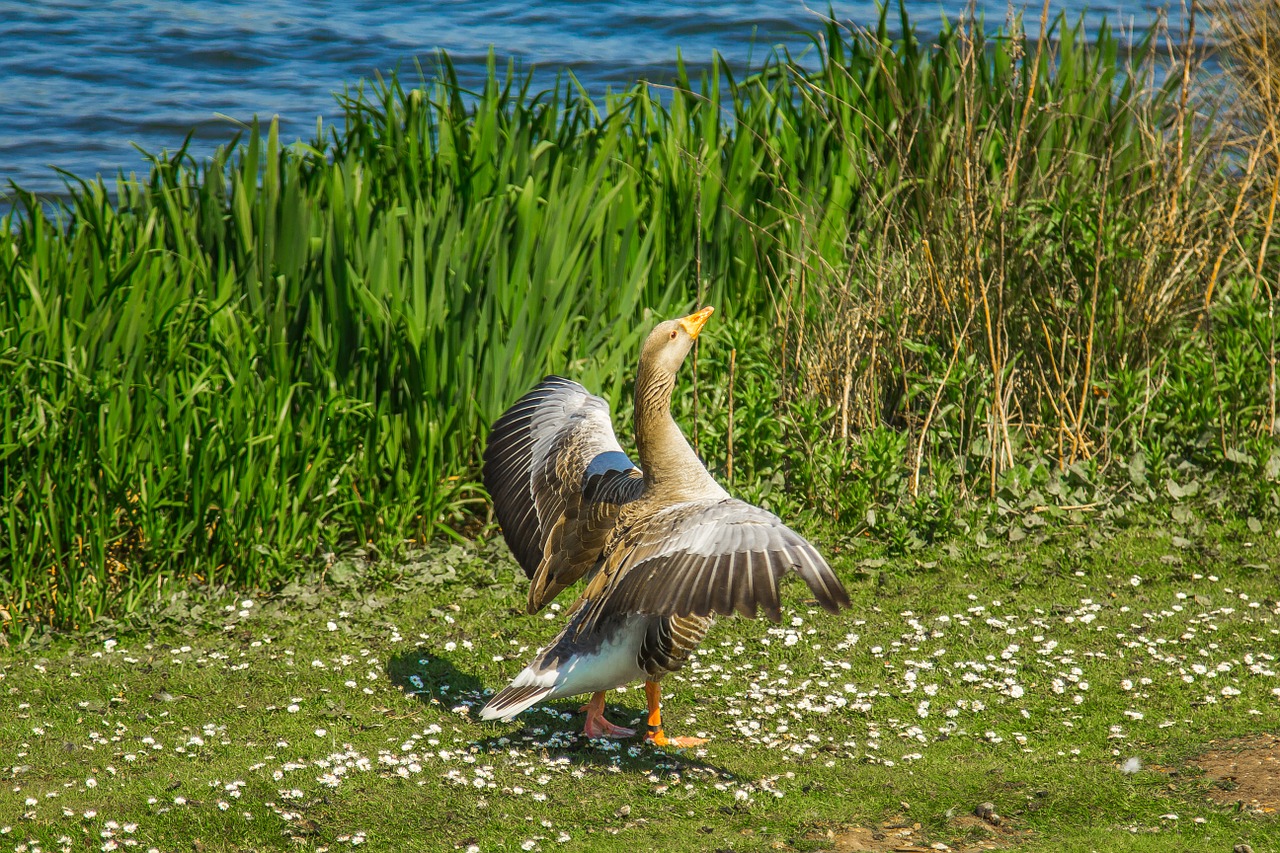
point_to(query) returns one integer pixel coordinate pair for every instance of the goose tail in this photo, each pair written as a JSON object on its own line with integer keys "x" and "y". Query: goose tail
{"x": 527, "y": 690}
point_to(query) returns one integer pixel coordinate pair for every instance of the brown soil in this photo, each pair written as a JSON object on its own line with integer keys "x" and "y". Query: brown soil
{"x": 966, "y": 834}
{"x": 1244, "y": 771}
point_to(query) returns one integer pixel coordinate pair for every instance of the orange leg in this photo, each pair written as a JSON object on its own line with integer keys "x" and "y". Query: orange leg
{"x": 597, "y": 725}
{"x": 655, "y": 735}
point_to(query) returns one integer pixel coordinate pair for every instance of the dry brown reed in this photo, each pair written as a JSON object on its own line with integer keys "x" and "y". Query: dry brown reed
{"x": 1056, "y": 217}
{"x": 1248, "y": 34}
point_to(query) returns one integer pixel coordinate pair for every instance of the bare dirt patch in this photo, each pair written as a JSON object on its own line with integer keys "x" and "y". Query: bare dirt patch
{"x": 1244, "y": 771}
{"x": 966, "y": 834}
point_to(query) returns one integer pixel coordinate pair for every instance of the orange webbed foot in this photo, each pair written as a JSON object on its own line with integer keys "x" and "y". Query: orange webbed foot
{"x": 659, "y": 738}
{"x": 655, "y": 735}
{"x": 600, "y": 727}
{"x": 597, "y": 726}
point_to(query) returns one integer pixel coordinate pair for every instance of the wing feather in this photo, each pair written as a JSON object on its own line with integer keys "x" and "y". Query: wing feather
{"x": 720, "y": 587}
{"x": 558, "y": 478}
{"x": 744, "y": 599}
{"x": 706, "y": 557}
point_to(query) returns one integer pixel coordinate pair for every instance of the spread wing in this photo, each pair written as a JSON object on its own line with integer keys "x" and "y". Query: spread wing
{"x": 706, "y": 557}
{"x": 558, "y": 478}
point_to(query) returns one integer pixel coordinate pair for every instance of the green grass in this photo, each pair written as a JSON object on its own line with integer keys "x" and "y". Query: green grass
{"x": 952, "y": 263}
{"x": 815, "y": 724}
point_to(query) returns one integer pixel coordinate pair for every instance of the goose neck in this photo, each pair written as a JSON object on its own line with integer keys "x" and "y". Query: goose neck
{"x": 665, "y": 455}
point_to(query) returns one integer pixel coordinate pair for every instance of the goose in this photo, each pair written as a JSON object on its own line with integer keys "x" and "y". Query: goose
{"x": 663, "y": 547}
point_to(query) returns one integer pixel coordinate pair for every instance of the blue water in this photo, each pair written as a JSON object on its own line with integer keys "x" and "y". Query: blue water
{"x": 81, "y": 81}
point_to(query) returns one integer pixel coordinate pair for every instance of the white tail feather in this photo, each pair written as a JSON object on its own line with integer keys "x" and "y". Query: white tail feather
{"x": 528, "y": 689}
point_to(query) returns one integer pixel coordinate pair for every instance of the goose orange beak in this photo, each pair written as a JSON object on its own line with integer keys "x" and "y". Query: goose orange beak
{"x": 694, "y": 322}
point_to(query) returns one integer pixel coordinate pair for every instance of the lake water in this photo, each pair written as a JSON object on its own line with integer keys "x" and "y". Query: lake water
{"x": 83, "y": 80}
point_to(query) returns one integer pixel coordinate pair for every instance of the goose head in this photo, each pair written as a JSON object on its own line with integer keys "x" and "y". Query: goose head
{"x": 670, "y": 341}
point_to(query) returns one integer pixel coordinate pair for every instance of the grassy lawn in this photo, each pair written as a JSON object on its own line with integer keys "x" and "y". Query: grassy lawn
{"x": 1030, "y": 675}
{"x": 949, "y": 272}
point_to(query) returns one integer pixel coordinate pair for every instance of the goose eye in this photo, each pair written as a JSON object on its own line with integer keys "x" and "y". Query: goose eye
{"x": 673, "y": 334}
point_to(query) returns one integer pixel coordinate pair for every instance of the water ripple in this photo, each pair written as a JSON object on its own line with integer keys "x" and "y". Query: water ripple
{"x": 92, "y": 78}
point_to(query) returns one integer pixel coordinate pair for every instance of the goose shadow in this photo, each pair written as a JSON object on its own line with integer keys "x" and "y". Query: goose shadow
{"x": 554, "y": 728}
